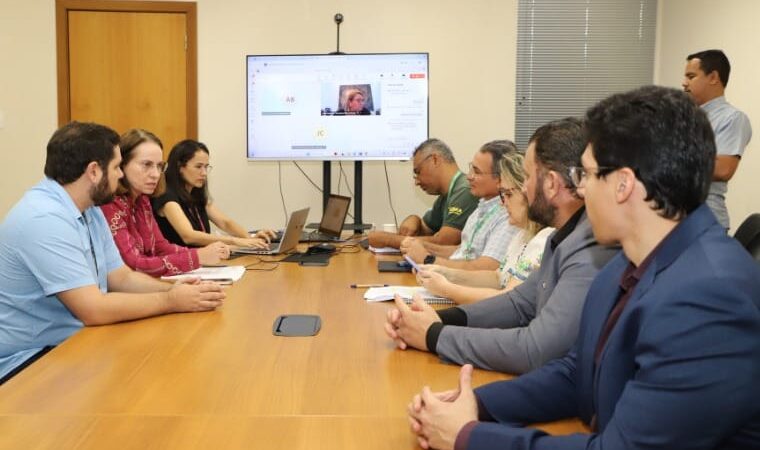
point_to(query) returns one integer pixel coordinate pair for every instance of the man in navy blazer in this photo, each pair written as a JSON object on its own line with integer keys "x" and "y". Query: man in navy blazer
{"x": 668, "y": 356}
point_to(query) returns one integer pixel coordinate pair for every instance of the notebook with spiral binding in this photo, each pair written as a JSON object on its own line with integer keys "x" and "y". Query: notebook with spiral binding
{"x": 381, "y": 294}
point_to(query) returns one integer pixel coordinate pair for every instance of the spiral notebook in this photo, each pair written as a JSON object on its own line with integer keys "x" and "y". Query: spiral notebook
{"x": 381, "y": 294}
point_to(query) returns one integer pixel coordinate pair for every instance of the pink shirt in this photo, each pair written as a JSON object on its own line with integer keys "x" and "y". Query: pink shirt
{"x": 140, "y": 242}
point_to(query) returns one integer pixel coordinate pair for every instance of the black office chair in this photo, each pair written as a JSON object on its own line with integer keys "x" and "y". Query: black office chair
{"x": 748, "y": 234}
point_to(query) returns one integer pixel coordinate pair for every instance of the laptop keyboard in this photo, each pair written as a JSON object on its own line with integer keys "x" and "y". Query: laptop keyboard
{"x": 272, "y": 247}
{"x": 307, "y": 236}
{"x": 317, "y": 236}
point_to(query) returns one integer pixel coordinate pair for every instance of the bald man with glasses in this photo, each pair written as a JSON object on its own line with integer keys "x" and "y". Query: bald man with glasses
{"x": 435, "y": 172}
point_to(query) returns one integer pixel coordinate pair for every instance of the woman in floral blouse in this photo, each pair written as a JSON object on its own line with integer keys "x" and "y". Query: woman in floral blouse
{"x": 130, "y": 216}
{"x": 523, "y": 253}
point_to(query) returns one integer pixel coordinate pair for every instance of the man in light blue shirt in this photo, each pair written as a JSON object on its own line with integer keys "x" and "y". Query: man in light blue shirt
{"x": 705, "y": 79}
{"x": 59, "y": 267}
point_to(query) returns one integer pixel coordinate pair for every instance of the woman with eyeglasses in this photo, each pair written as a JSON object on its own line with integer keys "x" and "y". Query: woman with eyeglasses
{"x": 523, "y": 254}
{"x": 130, "y": 216}
{"x": 352, "y": 103}
{"x": 185, "y": 212}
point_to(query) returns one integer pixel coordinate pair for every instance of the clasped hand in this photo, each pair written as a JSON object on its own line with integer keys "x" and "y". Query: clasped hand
{"x": 192, "y": 295}
{"x": 438, "y": 417}
{"x": 407, "y": 325}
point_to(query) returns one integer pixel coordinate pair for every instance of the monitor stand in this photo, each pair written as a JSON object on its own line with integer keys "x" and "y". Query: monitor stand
{"x": 358, "y": 225}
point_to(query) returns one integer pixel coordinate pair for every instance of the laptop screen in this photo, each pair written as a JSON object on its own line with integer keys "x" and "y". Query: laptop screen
{"x": 334, "y": 215}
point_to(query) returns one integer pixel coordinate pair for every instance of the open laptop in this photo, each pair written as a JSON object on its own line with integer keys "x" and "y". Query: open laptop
{"x": 333, "y": 219}
{"x": 289, "y": 238}
{"x": 331, "y": 225}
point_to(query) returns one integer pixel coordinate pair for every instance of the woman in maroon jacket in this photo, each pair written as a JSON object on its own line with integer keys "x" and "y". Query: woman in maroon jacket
{"x": 130, "y": 216}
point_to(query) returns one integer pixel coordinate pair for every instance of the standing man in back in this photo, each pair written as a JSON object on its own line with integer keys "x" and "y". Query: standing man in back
{"x": 705, "y": 80}
{"x": 437, "y": 173}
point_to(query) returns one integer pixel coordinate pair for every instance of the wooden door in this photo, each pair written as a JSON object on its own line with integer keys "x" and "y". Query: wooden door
{"x": 129, "y": 64}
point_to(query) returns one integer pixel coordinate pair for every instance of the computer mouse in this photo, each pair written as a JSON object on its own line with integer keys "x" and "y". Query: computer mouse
{"x": 323, "y": 247}
{"x": 327, "y": 247}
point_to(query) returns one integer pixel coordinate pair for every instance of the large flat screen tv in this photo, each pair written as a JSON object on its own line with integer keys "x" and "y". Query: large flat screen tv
{"x": 336, "y": 107}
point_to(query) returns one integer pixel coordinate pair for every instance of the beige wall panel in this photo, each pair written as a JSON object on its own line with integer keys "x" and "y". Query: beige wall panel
{"x": 27, "y": 93}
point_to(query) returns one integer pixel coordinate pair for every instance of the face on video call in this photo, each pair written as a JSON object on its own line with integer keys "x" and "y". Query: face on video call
{"x": 356, "y": 103}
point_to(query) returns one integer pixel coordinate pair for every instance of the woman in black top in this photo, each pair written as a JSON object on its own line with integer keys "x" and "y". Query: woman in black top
{"x": 184, "y": 212}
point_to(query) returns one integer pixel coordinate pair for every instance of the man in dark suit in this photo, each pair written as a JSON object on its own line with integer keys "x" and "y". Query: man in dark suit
{"x": 668, "y": 354}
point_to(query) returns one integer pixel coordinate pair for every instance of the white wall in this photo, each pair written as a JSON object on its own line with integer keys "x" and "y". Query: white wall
{"x": 688, "y": 26}
{"x": 472, "y": 60}
{"x": 27, "y": 93}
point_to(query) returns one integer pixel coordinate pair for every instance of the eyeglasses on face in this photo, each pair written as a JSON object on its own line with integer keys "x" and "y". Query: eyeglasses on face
{"x": 199, "y": 167}
{"x": 507, "y": 193}
{"x": 476, "y": 172}
{"x": 149, "y": 166}
{"x": 418, "y": 167}
{"x": 579, "y": 174}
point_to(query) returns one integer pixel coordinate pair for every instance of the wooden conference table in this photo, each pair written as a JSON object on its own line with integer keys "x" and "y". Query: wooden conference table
{"x": 222, "y": 380}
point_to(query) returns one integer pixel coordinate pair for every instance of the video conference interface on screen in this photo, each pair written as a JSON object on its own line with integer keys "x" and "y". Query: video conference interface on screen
{"x": 328, "y": 107}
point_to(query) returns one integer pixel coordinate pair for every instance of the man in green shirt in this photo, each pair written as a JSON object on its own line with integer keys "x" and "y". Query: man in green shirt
{"x": 435, "y": 172}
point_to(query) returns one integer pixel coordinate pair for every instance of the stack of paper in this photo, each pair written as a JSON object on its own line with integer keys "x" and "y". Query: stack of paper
{"x": 385, "y": 250}
{"x": 222, "y": 275}
{"x": 381, "y": 294}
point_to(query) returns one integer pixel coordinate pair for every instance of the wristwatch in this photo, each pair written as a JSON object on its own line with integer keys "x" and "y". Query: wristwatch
{"x": 429, "y": 259}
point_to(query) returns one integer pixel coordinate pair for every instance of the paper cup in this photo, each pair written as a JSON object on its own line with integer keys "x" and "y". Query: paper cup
{"x": 390, "y": 227}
